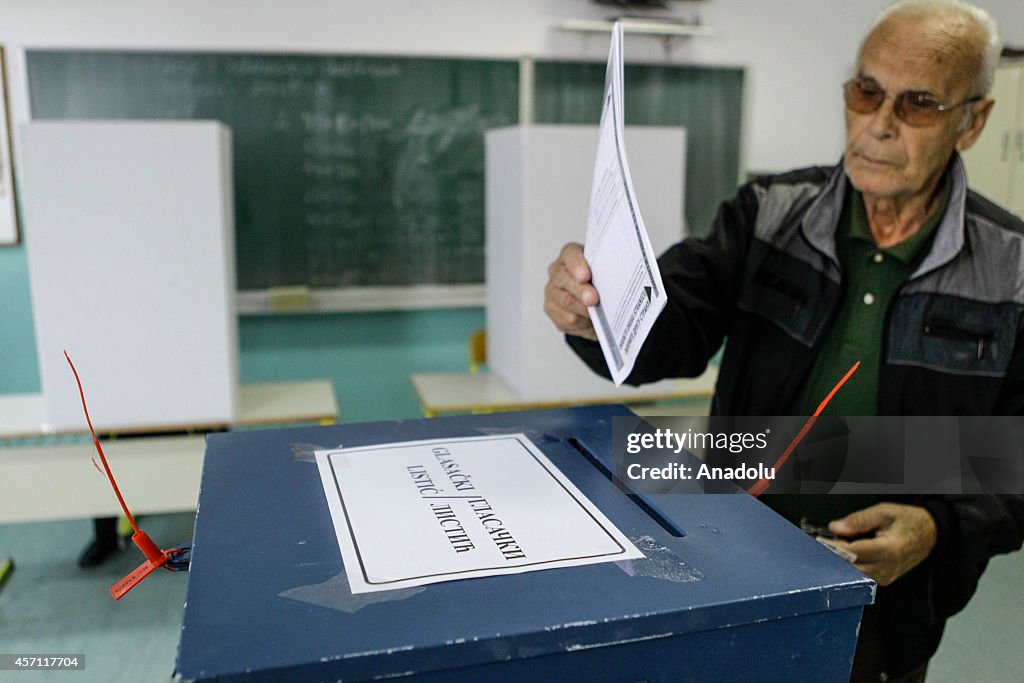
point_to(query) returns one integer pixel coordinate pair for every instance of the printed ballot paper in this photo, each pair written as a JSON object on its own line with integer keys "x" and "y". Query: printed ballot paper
{"x": 623, "y": 265}
{"x": 420, "y": 512}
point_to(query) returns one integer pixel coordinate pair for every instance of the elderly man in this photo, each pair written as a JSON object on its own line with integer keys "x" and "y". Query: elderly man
{"x": 887, "y": 259}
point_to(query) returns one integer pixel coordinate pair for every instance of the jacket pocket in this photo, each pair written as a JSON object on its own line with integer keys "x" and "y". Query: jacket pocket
{"x": 960, "y": 339}
{"x": 952, "y": 334}
{"x": 788, "y": 292}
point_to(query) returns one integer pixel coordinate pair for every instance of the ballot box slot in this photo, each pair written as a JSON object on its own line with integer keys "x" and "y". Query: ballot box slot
{"x": 639, "y": 499}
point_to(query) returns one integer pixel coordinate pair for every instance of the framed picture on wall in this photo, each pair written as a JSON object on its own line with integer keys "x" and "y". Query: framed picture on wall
{"x": 8, "y": 200}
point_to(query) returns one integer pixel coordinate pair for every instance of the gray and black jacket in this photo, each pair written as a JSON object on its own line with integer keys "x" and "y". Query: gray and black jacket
{"x": 767, "y": 281}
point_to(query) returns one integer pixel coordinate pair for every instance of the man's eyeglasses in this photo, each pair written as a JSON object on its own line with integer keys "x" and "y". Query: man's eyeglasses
{"x": 918, "y": 109}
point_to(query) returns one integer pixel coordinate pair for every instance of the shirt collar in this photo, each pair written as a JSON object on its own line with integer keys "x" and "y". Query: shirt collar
{"x": 909, "y": 250}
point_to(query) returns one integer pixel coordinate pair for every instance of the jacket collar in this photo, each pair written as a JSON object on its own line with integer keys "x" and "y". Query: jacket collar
{"x": 950, "y": 235}
{"x": 819, "y": 224}
{"x": 820, "y": 221}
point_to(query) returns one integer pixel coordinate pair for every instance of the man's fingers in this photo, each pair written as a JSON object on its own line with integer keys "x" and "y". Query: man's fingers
{"x": 871, "y": 557}
{"x": 571, "y": 257}
{"x": 560, "y": 304}
{"x": 567, "y": 313}
{"x": 573, "y": 276}
{"x": 904, "y": 536}
{"x": 568, "y": 292}
{"x": 568, "y": 301}
{"x": 861, "y": 522}
{"x": 871, "y": 550}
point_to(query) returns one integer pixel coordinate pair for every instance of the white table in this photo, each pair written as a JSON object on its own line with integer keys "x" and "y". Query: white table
{"x": 458, "y": 392}
{"x": 156, "y": 473}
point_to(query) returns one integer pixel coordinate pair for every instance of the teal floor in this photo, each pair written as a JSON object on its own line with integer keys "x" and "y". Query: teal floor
{"x": 985, "y": 642}
{"x": 50, "y": 606}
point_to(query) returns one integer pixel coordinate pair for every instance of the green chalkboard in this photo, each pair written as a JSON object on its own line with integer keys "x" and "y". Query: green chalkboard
{"x": 707, "y": 101}
{"x": 355, "y": 171}
{"x": 348, "y": 170}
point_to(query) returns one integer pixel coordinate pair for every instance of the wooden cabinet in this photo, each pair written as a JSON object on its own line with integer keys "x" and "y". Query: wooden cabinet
{"x": 995, "y": 165}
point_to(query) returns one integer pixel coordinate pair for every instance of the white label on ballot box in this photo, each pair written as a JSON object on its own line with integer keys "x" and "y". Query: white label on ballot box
{"x": 420, "y": 512}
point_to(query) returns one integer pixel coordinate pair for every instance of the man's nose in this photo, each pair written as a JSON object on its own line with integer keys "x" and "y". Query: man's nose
{"x": 884, "y": 119}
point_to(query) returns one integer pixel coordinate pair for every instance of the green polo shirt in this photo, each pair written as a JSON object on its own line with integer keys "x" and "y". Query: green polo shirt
{"x": 872, "y": 276}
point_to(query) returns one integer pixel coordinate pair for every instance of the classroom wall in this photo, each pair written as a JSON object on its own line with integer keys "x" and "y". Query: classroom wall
{"x": 792, "y": 48}
{"x": 796, "y": 53}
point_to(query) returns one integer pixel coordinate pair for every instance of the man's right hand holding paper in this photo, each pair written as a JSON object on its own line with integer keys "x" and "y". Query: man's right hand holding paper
{"x": 569, "y": 292}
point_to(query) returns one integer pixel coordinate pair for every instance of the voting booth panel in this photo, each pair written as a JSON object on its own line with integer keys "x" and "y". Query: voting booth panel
{"x": 129, "y": 233}
{"x": 538, "y": 182}
{"x": 740, "y": 595}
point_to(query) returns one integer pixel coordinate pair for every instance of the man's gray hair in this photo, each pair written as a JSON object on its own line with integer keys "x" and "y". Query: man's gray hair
{"x": 988, "y": 59}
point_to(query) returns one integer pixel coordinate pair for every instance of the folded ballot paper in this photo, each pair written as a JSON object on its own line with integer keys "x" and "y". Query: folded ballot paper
{"x": 623, "y": 265}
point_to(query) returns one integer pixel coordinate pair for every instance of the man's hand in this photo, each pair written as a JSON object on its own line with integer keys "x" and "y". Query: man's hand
{"x": 904, "y": 535}
{"x": 569, "y": 292}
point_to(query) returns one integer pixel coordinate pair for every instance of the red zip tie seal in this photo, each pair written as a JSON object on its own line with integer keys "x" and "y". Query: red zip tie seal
{"x": 762, "y": 485}
{"x": 155, "y": 557}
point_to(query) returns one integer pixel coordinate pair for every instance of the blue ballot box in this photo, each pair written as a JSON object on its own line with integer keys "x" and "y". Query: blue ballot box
{"x": 742, "y": 595}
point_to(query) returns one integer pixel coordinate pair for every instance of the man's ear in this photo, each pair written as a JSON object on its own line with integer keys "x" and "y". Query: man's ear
{"x": 975, "y": 124}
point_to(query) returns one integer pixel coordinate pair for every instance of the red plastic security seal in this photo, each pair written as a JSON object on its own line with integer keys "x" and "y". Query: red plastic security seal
{"x": 155, "y": 557}
{"x": 760, "y": 487}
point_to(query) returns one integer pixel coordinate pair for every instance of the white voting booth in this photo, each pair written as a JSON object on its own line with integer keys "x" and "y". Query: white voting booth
{"x": 129, "y": 231}
{"x": 538, "y": 181}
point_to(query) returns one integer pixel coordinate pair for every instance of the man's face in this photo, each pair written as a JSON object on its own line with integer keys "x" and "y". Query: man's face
{"x": 886, "y": 157}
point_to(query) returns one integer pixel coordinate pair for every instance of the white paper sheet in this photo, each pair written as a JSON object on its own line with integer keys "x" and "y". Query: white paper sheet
{"x": 420, "y": 512}
{"x": 623, "y": 265}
